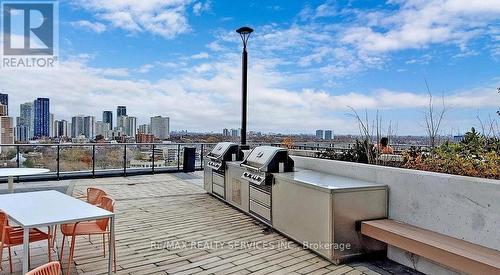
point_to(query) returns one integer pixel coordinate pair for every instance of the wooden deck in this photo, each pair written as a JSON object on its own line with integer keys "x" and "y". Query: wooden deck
{"x": 167, "y": 224}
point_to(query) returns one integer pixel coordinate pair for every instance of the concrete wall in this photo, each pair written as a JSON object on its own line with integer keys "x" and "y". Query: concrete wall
{"x": 462, "y": 207}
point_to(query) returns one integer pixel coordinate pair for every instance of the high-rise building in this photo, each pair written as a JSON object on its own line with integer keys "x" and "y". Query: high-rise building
{"x": 26, "y": 116}
{"x": 235, "y": 132}
{"x": 89, "y": 127}
{"x": 225, "y": 132}
{"x": 64, "y": 128}
{"x": 56, "y": 129}
{"x": 102, "y": 129}
{"x": 121, "y": 122}
{"x": 160, "y": 127}
{"x": 3, "y": 110}
{"x": 121, "y": 111}
{"x": 52, "y": 126}
{"x": 107, "y": 117}
{"x": 319, "y": 134}
{"x": 4, "y": 100}
{"x": 144, "y": 129}
{"x": 6, "y": 130}
{"x": 61, "y": 128}
{"x": 77, "y": 126}
{"x": 22, "y": 133}
{"x": 328, "y": 135}
{"x": 131, "y": 126}
{"x": 41, "y": 118}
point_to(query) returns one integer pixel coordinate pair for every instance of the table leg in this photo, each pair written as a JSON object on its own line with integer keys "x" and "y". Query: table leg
{"x": 11, "y": 184}
{"x": 111, "y": 244}
{"x": 26, "y": 240}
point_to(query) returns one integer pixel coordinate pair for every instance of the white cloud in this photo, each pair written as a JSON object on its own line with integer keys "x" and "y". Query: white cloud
{"x": 418, "y": 24}
{"x": 202, "y": 55}
{"x": 166, "y": 18}
{"x": 93, "y": 26}
{"x": 145, "y": 68}
{"x": 215, "y": 46}
{"x": 111, "y": 72}
{"x": 326, "y": 9}
{"x": 200, "y": 7}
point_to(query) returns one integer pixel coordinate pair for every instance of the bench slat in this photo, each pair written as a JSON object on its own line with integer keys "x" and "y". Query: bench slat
{"x": 457, "y": 254}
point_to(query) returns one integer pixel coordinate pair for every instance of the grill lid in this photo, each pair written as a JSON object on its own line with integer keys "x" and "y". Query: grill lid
{"x": 220, "y": 150}
{"x": 261, "y": 156}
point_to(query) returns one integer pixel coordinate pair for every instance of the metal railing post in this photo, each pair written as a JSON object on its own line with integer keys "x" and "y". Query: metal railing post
{"x": 17, "y": 157}
{"x": 201, "y": 156}
{"x": 178, "y": 157}
{"x": 93, "y": 161}
{"x": 125, "y": 160}
{"x": 153, "y": 160}
{"x": 58, "y": 164}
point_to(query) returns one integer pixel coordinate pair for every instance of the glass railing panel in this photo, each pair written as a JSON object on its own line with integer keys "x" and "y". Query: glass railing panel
{"x": 167, "y": 156}
{"x": 140, "y": 157}
{"x": 75, "y": 158}
{"x": 8, "y": 156}
{"x": 108, "y": 158}
{"x": 38, "y": 157}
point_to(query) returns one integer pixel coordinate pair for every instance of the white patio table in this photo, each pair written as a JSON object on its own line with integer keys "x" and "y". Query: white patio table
{"x": 50, "y": 208}
{"x": 17, "y": 172}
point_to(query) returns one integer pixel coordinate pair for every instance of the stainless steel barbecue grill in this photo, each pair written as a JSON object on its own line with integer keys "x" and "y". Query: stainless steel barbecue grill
{"x": 259, "y": 167}
{"x": 263, "y": 161}
{"x": 215, "y": 179}
{"x": 222, "y": 152}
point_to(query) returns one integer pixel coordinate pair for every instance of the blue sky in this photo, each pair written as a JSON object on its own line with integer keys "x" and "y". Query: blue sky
{"x": 309, "y": 61}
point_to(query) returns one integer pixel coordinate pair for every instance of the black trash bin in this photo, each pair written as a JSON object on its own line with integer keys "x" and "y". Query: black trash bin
{"x": 189, "y": 159}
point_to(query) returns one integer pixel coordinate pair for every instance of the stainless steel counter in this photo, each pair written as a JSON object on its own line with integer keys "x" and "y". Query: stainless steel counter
{"x": 313, "y": 208}
{"x": 326, "y": 182}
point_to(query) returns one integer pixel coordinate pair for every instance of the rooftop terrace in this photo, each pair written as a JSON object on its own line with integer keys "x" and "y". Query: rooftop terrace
{"x": 160, "y": 216}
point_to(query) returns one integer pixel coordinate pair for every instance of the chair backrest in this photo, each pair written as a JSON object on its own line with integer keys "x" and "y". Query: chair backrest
{"x": 4, "y": 222}
{"x": 94, "y": 195}
{"x": 107, "y": 203}
{"x": 52, "y": 268}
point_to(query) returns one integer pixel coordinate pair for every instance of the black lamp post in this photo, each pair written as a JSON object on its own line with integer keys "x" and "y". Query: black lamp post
{"x": 245, "y": 34}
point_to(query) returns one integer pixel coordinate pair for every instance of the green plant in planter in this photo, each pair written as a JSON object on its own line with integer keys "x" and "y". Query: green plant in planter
{"x": 355, "y": 154}
{"x": 476, "y": 156}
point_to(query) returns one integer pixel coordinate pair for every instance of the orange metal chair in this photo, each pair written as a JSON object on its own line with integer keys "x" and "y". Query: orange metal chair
{"x": 98, "y": 227}
{"x": 94, "y": 197}
{"x": 13, "y": 236}
{"x": 52, "y": 268}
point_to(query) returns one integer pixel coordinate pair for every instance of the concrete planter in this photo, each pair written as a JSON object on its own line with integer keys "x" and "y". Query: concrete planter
{"x": 466, "y": 208}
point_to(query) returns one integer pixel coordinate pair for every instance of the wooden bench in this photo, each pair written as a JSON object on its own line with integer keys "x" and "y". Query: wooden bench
{"x": 457, "y": 254}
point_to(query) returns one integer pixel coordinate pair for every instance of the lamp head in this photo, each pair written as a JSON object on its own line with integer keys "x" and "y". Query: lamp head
{"x": 244, "y": 30}
{"x": 245, "y": 34}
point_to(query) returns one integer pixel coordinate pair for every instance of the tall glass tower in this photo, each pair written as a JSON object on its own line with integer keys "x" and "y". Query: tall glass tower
{"x": 107, "y": 117}
{"x": 4, "y": 99}
{"x": 42, "y": 117}
{"x": 121, "y": 111}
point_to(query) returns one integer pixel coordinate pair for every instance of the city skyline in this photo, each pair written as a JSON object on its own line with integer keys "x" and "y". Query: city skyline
{"x": 307, "y": 63}
{"x": 36, "y": 121}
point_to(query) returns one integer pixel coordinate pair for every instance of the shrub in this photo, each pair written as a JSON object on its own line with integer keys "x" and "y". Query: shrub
{"x": 475, "y": 156}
